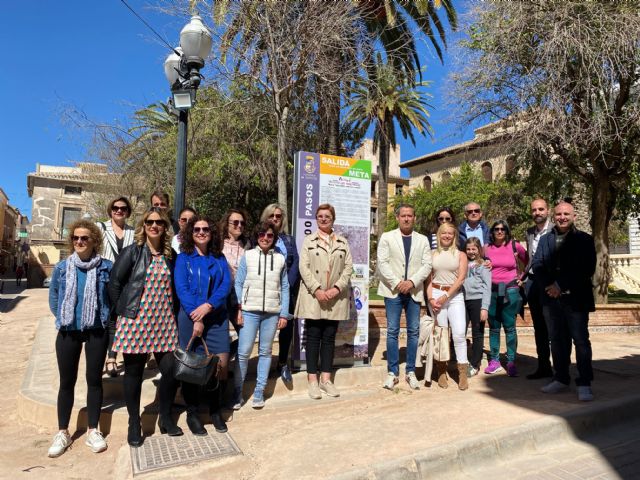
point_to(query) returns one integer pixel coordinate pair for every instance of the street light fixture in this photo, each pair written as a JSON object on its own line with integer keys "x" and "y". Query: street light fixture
{"x": 182, "y": 69}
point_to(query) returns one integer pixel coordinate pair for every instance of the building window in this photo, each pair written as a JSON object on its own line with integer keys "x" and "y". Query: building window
{"x": 426, "y": 183}
{"x": 446, "y": 176}
{"x": 69, "y": 215}
{"x": 487, "y": 172}
{"x": 72, "y": 190}
{"x": 398, "y": 190}
{"x": 373, "y": 188}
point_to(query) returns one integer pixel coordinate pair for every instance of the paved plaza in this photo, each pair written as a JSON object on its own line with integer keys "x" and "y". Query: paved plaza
{"x": 500, "y": 427}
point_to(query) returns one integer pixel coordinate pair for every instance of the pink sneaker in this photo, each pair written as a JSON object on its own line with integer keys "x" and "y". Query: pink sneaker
{"x": 493, "y": 367}
{"x": 512, "y": 371}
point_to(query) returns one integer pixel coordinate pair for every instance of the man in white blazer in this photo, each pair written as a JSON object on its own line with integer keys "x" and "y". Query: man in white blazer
{"x": 404, "y": 263}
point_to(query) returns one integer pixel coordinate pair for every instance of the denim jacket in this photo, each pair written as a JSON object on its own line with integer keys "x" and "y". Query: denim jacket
{"x": 58, "y": 288}
{"x": 199, "y": 279}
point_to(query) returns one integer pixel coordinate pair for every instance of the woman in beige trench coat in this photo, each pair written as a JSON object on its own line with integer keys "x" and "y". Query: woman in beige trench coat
{"x": 323, "y": 300}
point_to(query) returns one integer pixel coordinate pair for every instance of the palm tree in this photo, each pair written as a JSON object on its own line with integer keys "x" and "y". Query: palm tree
{"x": 388, "y": 97}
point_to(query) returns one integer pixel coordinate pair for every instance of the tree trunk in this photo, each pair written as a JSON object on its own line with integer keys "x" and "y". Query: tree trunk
{"x": 602, "y": 201}
{"x": 383, "y": 179}
{"x": 282, "y": 158}
{"x": 329, "y": 113}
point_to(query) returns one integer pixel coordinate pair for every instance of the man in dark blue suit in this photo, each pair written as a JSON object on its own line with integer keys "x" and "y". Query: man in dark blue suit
{"x": 564, "y": 262}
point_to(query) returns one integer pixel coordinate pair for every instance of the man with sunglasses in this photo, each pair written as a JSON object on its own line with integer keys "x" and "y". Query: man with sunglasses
{"x": 473, "y": 226}
{"x": 564, "y": 263}
{"x": 534, "y": 290}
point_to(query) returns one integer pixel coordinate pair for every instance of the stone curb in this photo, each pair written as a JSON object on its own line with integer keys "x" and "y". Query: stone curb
{"x": 452, "y": 459}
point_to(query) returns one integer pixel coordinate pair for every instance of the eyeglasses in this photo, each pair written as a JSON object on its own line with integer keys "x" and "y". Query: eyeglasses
{"x": 184, "y": 220}
{"x": 160, "y": 205}
{"x": 444, "y": 219}
{"x": 160, "y": 223}
{"x": 474, "y": 210}
{"x": 324, "y": 217}
{"x": 499, "y": 229}
{"x": 267, "y": 235}
{"x": 201, "y": 229}
{"x": 275, "y": 215}
{"x": 81, "y": 238}
{"x": 237, "y": 223}
{"x": 120, "y": 208}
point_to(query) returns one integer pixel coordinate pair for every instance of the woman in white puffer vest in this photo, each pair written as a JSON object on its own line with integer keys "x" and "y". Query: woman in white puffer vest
{"x": 262, "y": 289}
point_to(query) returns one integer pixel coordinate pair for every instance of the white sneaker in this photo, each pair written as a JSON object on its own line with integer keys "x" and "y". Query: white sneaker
{"x": 412, "y": 381}
{"x": 390, "y": 382}
{"x": 554, "y": 387}
{"x": 61, "y": 442}
{"x": 585, "y": 394}
{"x": 95, "y": 441}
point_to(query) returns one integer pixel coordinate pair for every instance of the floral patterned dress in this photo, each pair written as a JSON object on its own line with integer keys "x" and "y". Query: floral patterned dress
{"x": 154, "y": 328}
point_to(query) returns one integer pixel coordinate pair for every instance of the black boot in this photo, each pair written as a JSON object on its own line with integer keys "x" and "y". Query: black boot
{"x": 215, "y": 400}
{"x": 134, "y": 435}
{"x": 168, "y": 425}
{"x": 195, "y": 424}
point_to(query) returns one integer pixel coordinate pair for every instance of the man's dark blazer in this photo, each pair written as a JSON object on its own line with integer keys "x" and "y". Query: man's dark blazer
{"x": 571, "y": 267}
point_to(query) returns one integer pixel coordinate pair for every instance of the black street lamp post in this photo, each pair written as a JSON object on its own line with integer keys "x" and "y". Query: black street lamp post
{"x": 182, "y": 69}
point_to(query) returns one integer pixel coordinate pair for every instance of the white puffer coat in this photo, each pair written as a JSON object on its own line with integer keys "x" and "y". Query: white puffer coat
{"x": 261, "y": 291}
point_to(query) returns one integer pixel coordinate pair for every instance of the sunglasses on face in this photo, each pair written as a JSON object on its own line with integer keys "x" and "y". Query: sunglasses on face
{"x": 267, "y": 235}
{"x": 160, "y": 205}
{"x": 474, "y": 210}
{"x": 324, "y": 217}
{"x": 275, "y": 215}
{"x": 499, "y": 229}
{"x": 237, "y": 223}
{"x": 183, "y": 220}
{"x": 444, "y": 219}
{"x": 201, "y": 230}
{"x": 120, "y": 208}
{"x": 160, "y": 223}
{"x": 81, "y": 238}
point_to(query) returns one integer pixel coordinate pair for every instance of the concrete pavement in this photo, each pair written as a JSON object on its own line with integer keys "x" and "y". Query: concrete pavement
{"x": 369, "y": 432}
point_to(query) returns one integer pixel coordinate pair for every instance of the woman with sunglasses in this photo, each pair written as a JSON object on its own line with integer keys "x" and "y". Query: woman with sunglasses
{"x": 323, "y": 301}
{"x": 504, "y": 254}
{"x": 78, "y": 299}
{"x": 263, "y": 289}
{"x": 234, "y": 243}
{"x": 203, "y": 281}
{"x": 116, "y": 235}
{"x": 142, "y": 292}
{"x": 443, "y": 215}
{"x": 286, "y": 245}
{"x": 186, "y": 214}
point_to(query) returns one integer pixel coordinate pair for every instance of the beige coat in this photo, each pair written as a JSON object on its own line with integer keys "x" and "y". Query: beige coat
{"x": 324, "y": 268}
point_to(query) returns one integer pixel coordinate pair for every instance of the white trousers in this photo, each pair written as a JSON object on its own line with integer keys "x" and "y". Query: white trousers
{"x": 453, "y": 315}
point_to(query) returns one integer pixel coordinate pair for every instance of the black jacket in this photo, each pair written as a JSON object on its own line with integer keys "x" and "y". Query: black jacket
{"x": 571, "y": 267}
{"x": 128, "y": 277}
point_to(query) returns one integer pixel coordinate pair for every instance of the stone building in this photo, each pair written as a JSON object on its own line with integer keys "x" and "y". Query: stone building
{"x": 8, "y": 216}
{"x": 60, "y": 196}
{"x": 396, "y": 184}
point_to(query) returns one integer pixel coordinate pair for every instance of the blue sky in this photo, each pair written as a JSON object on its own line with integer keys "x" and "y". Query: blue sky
{"x": 99, "y": 58}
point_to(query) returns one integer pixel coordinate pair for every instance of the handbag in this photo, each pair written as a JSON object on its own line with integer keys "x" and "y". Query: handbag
{"x": 193, "y": 367}
{"x": 441, "y": 351}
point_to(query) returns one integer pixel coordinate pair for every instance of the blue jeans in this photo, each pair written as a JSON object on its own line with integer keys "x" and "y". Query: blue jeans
{"x": 502, "y": 312}
{"x": 267, "y": 324}
{"x": 566, "y": 324}
{"x": 394, "y": 307}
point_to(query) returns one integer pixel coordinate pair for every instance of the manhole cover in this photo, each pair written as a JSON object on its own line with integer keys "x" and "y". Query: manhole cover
{"x": 163, "y": 451}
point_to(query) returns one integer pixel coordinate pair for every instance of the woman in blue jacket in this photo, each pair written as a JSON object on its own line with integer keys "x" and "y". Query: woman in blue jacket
{"x": 78, "y": 299}
{"x": 203, "y": 281}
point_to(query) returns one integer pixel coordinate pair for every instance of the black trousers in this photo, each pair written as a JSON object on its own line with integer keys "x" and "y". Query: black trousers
{"x": 321, "y": 341}
{"x": 134, "y": 364}
{"x": 540, "y": 330}
{"x": 68, "y": 350}
{"x": 473, "y": 308}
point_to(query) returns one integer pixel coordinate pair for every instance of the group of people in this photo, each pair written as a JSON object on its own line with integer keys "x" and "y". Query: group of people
{"x": 143, "y": 290}
{"x": 473, "y": 274}
{"x": 162, "y": 286}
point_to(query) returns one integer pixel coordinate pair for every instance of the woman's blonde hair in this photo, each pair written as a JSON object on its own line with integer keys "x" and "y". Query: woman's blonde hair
{"x": 271, "y": 209}
{"x": 141, "y": 236}
{"x": 454, "y": 243}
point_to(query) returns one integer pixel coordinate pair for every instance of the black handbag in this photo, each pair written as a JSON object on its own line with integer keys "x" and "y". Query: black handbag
{"x": 192, "y": 367}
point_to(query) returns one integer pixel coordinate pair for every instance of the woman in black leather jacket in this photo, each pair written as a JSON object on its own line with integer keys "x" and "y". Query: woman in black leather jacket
{"x": 141, "y": 290}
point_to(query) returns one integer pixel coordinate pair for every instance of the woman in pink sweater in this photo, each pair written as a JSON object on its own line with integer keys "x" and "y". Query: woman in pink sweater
{"x": 504, "y": 253}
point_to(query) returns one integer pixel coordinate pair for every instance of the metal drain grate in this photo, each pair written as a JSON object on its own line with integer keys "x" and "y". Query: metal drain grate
{"x": 163, "y": 451}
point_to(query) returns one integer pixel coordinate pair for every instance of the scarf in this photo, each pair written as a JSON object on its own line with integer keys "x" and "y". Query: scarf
{"x": 90, "y": 300}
